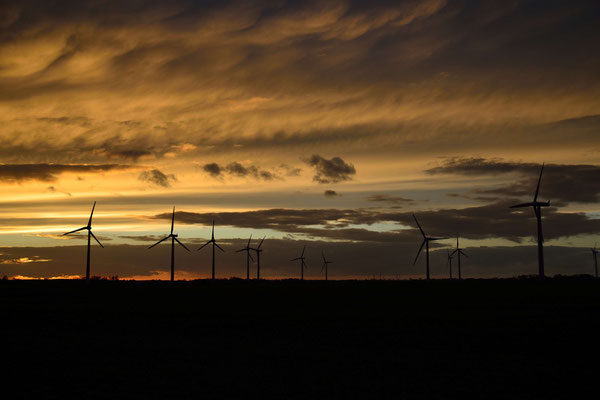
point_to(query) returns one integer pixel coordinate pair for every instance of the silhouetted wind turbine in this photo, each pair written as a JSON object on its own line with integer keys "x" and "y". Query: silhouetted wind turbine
{"x": 88, "y": 227}
{"x": 426, "y": 240}
{"x": 325, "y": 265}
{"x": 214, "y": 243}
{"x": 595, "y": 254}
{"x": 449, "y": 263}
{"x": 302, "y": 263}
{"x": 174, "y": 239}
{"x": 537, "y": 209}
{"x": 258, "y": 250}
{"x": 458, "y": 252}
{"x": 248, "y": 257}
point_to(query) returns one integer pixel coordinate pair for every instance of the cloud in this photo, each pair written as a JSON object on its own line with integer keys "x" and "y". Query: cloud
{"x": 157, "y": 178}
{"x": 331, "y": 171}
{"x": 239, "y": 170}
{"x": 386, "y": 198}
{"x": 567, "y": 183}
{"x": 494, "y": 220}
{"x": 331, "y": 193}
{"x": 14, "y": 173}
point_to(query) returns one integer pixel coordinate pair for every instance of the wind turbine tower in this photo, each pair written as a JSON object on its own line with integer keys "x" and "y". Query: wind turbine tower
{"x": 90, "y": 235}
{"x": 595, "y": 254}
{"x": 302, "y": 263}
{"x": 426, "y": 240}
{"x": 258, "y": 250}
{"x": 325, "y": 265}
{"x": 214, "y": 244}
{"x": 247, "y": 249}
{"x": 173, "y": 237}
{"x": 458, "y": 253}
{"x": 537, "y": 209}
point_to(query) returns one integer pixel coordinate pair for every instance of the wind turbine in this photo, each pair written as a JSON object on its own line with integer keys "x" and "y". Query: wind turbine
{"x": 248, "y": 257}
{"x": 258, "y": 250}
{"x": 325, "y": 264}
{"x": 595, "y": 254}
{"x": 449, "y": 263}
{"x": 214, "y": 243}
{"x": 302, "y": 263}
{"x": 426, "y": 240}
{"x": 458, "y": 251}
{"x": 88, "y": 227}
{"x": 537, "y": 209}
{"x": 174, "y": 239}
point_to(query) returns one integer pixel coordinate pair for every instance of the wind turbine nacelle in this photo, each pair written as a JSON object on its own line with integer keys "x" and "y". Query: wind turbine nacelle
{"x": 174, "y": 234}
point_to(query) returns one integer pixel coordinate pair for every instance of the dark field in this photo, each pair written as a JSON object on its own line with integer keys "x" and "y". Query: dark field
{"x": 290, "y": 339}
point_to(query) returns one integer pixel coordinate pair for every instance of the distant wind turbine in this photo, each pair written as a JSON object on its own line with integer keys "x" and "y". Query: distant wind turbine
{"x": 458, "y": 252}
{"x": 449, "y": 263}
{"x": 302, "y": 263}
{"x": 258, "y": 250}
{"x": 537, "y": 209}
{"x": 247, "y": 249}
{"x": 595, "y": 254}
{"x": 88, "y": 227}
{"x": 426, "y": 240}
{"x": 325, "y": 265}
{"x": 214, "y": 243}
{"x": 174, "y": 239}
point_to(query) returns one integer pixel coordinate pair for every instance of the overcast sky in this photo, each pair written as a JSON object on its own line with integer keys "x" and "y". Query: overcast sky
{"x": 319, "y": 122}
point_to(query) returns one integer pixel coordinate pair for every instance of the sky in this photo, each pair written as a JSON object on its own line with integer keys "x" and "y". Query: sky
{"x": 325, "y": 123}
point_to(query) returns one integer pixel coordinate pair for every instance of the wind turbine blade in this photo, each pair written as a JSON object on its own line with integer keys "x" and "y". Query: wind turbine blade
{"x": 295, "y": 259}
{"x": 419, "y": 252}
{"x": 76, "y": 230}
{"x": 183, "y": 245}
{"x": 248, "y": 245}
{"x": 419, "y": 225}
{"x": 323, "y": 254}
{"x": 457, "y": 240}
{"x": 437, "y": 238}
{"x": 213, "y": 231}
{"x": 173, "y": 220}
{"x": 323, "y": 267}
{"x": 522, "y": 205}
{"x": 219, "y": 247}
{"x": 240, "y": 250}
{"x": 204, "y": 245}
{"x": 537, "y": 189}
{"x": 454, "y": 252}
{"x": 95, "y": 238}
{"x": 250, "y": 255}
{"x": 304, "y": 264}
{"x": 303, "y": 249}
{"x": 261, "y": 242}
{"x": 91, "y": 215}
{"x": 161, "y": 240}
{"x": 464, "y": 254}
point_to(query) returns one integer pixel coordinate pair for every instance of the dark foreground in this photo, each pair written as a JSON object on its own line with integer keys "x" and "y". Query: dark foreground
{"x": 289, "y": 339}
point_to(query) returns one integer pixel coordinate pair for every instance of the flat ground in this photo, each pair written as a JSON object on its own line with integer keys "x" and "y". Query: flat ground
{"x": 290, "y": 339}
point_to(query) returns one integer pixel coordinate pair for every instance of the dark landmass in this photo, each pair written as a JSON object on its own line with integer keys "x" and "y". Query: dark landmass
{"x": 517, "y": 339}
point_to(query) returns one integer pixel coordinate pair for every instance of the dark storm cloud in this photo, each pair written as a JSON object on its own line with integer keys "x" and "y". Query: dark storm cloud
{"x": 157, "y": 177}
{"x": 12, "y": 173}
{"x": 495, "y": 220}
{"x": 239, "y": 170}
{"x": 331, "y": 193}
{"x": 577, "y": 183}
{"x": 331, "y": 171}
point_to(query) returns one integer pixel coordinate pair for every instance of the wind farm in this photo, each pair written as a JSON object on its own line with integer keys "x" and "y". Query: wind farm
{"x": 426, "y": 172}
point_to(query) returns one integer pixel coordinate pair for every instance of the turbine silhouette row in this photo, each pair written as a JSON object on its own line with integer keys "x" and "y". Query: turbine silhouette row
{"x": 535, "y": 204}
